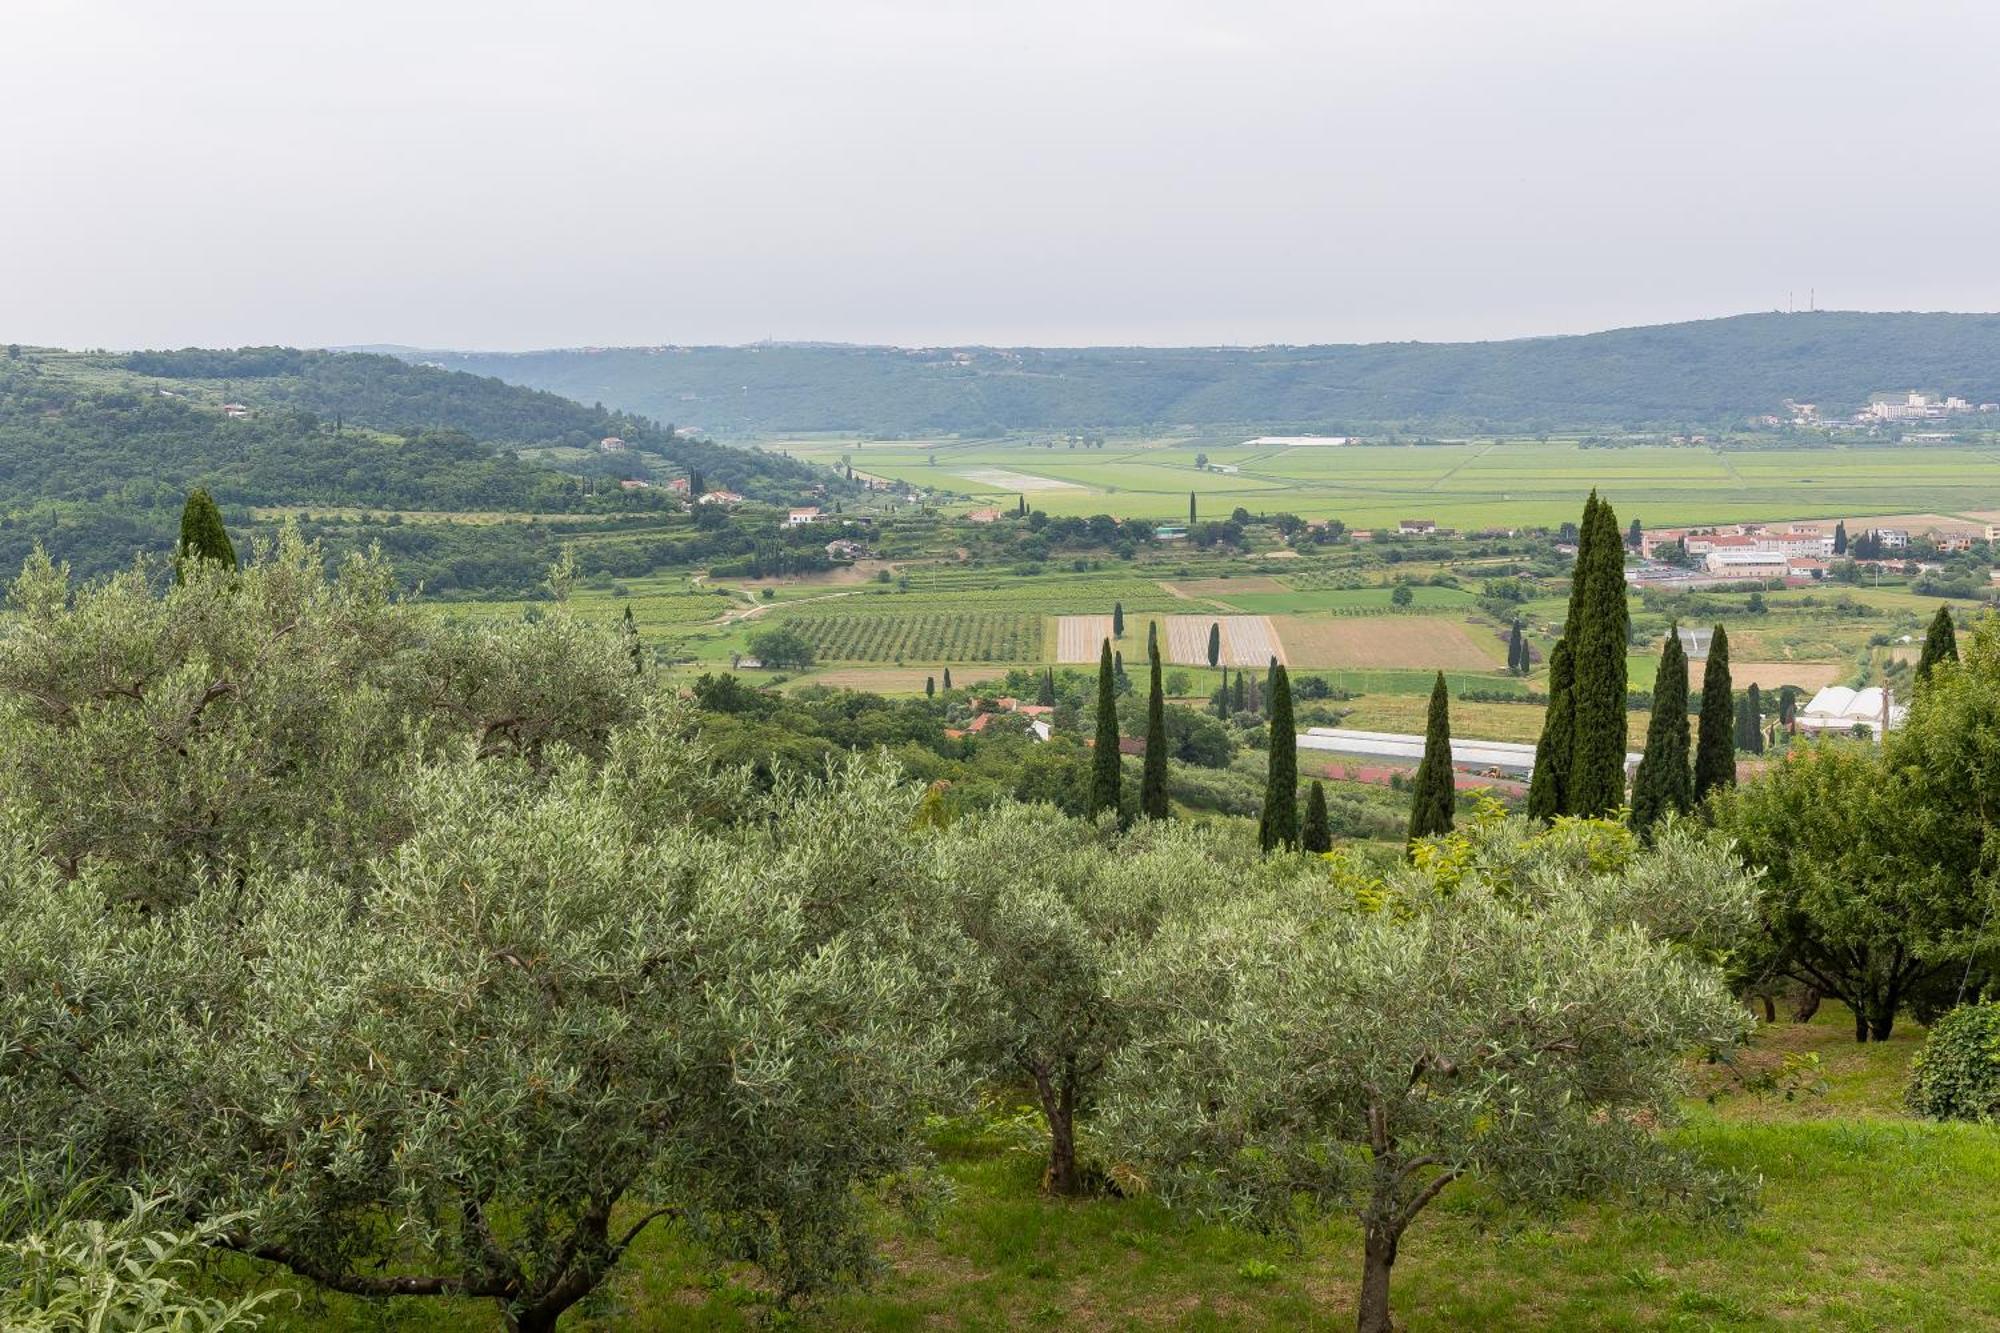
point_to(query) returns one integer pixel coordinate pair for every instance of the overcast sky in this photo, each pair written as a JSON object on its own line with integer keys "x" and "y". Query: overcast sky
{"x": 501, "y": 174}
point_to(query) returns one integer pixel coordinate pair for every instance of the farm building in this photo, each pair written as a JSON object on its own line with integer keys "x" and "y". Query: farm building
{"x": 1740, "y": 562}
{"x": 611, "y": 444}
{"x": 803, "y": 515}
{"x": 720, "y": 498}
{"x": 1479, "y": 756}
{"x": 1416, "y": 527}
{"x": 1839, "y": 711}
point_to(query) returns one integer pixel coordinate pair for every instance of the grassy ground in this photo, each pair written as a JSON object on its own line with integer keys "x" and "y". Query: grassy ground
{"x": 1867, "y": 1220}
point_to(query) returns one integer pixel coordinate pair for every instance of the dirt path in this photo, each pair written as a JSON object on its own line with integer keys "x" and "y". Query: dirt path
{"x": 738, "y": 614}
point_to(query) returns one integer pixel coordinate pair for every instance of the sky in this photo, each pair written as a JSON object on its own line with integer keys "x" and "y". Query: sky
{"x": 499, "y": 174}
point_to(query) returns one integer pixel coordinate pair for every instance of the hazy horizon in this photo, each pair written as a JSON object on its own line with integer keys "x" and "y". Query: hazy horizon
{"x": 514, "y": 176}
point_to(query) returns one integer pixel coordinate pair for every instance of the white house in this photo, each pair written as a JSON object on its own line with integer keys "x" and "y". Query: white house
{"x": 803, "y": 515}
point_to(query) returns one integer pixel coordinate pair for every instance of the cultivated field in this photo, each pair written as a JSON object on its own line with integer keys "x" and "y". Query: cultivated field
{"x": 1081, "y": 638}
{"x": 1470, "y": 484}
{"x": 1428, "y": 642}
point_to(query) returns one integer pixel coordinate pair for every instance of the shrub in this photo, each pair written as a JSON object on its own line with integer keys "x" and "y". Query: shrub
{"x": 1956, "y": 1076}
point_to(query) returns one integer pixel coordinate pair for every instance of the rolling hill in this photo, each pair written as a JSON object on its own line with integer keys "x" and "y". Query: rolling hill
{"x": 98, "y": 450}
{"x": 1707, "y": 372}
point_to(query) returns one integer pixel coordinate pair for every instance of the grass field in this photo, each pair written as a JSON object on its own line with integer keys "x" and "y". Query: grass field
{"x": 1867, "y": 1220}
{"x": 1465, "y": 485}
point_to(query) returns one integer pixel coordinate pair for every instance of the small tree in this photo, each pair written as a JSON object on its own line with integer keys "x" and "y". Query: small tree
{"x": 1433, "y": 794}
{"x": 1940, "y": 644}
{"x": 1317, "y": 833}
{"x": 947, "y": 679}
{"x": 1546, "y": 785}
{"x": 1105, "y": 765}
{"x": 1214, "y": 643}
{"x": 203, "y": 537}
{"x": 784, "y": 647}
{"x": 1118, "y": 620}
{"x": 628, "y": 629}
{"x": 1664, "y": 784}
{"x": 1153, "y": 784}
{"x": 1715, "y": 745}
{"x": 1517, "y": 651}
{"x": 1279, "y": 824}
{"x": 1401, "y": 595}
{"x": 1190, "y": 509}
{"x": 930, "y": 687}
{"x": 1522, "y": 1017}
{"x": 1056, "y": 913}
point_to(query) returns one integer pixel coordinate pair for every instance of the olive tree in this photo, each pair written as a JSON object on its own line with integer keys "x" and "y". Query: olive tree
{"x": 164, "y": 736}
{"x": 1494, "y": 1011}
{"x": 565, "y": 1008}
{"x": 1055, "y": 910}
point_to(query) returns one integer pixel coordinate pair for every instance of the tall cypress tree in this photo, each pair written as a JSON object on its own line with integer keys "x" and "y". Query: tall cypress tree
{"x": 1753, "y": 721}
{"x": 1840, "y": 537}
{"x": 1190, "y": 508}
{"x": 1222, "y": 696}
{"x": 203, "y": 537}
{"x": 1715, "y": 746}
{"x": 1104, "y": 762}
{"x": 1546, "y": 794}
{"x": 1433, "y": 793}
{"x": 1316, "y": 835}
{"x": 1940, "y": 643}
{"x": 1517, "y": 651}
{"x": 1153, "y": 785}
{"x": 1549, "y": 787}
{"x": 1664, "y": 783}
{"x": 947, "y": 678}
{"x": 1046, "y": 696}
{"x": 930, "y": 687}
{"x": 1279, "y": 826}
{"x": 1118, "y": 620}
{"x": 1214, "y": 643}
{"x": 1596, "y": 778}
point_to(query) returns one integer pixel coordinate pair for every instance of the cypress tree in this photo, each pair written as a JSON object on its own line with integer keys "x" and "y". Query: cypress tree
{"x": 634, "y": 649}
{"x": 1715, "y": 746}
{"x": 1317, "y": 834}
{"x": 1517, "y": 651}
{"x": 1635, "y": 536}
{"x": 1279, "y": 825}
{"x": 1546, "y": 787}
{"x": 1664, "y": 784}
{"x": 1433, "y": 793}
{"x": 1153, "y": 639}
{"x": 203, "y": 537}
{"x": 1596, "y": 777}
{"x": 1214, "y": 643}
{"x": 1840, "y": 537}
{"x": 1788, "y": 706}
{"x": 1104, "y": 763}
{"x": 1153, "y": 785}
{"x": 1940, "y": 643}
{"x": 1118, "y": 620}
{"x": 1241, "y": 703}
{"x": 1753, "y": 720}
{"x": 947, "y": 678}
{"x": 1046, "y": 697}
{"x": 1118, "y": 670}
{"x": 1222, "y": 696}
{"x": 930, "y": 687}
{"x": 1190, "y": 508}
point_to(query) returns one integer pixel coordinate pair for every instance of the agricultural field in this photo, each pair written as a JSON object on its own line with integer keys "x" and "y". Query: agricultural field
{"x": 839, "y": 634}
{"x": 1472, "y": 484}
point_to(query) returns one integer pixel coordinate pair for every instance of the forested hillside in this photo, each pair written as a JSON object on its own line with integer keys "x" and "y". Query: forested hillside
{"x": 98, "y": 451}
{"x": 1704, "y": 372}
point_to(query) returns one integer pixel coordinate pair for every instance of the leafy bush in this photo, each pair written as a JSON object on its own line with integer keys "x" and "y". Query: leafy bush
{"x": 62, "y": 1269}
{"x": 1956, "y": 1076}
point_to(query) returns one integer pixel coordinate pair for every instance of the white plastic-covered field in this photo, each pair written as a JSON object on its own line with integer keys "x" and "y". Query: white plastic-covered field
{"x": 1015, "y": 481}
{"x": 1246, "y": 640}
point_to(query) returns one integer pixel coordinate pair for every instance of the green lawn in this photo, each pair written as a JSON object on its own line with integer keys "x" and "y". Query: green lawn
{"x": 1867, "y": 1219}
